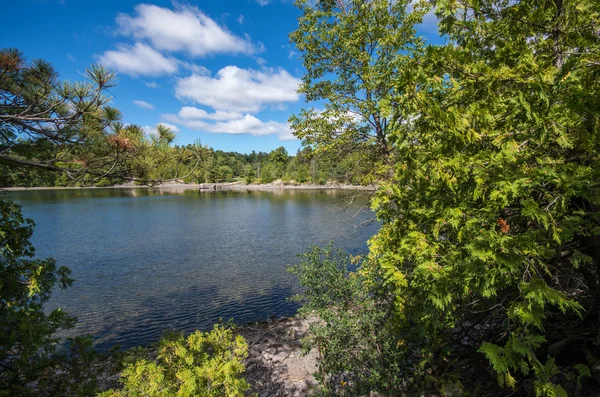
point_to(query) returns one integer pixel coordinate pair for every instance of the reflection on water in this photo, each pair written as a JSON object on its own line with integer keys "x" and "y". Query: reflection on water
{"x": 149, "y": 259}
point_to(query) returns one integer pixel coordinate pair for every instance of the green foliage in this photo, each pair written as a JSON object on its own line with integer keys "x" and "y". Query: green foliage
{"x": 351, "y": 51}
{"x": 48, "y": 126}
{"x": 352, "y": 331}
{"x": 26, "y": 331}
{"x": 249, "y": 174}
{"x": 203, "y": 364}
{"x": 490, "y": 238}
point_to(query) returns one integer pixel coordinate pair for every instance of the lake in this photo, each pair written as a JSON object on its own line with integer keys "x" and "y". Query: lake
{"x": 146, "y": 260}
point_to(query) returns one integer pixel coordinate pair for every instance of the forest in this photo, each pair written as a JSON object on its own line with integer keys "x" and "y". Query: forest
{"x": 484, "y": 279}
{"x": 201, "y": 164}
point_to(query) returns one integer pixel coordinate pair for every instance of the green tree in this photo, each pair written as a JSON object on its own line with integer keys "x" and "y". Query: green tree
{"x": 58, "y": 126}
{"x": 277, "y": 161}
{"x": 351, "y": 50}
{"x": 249, "y": 173}
{"x": 490, "y": 238}
{"x": 55, "y": 127}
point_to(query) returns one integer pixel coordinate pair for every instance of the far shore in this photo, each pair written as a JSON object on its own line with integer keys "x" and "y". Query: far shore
{"x": 207, "y": 187}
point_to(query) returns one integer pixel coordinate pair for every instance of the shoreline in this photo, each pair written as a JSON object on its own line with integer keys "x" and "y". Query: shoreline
{"x": 203, "y": 187}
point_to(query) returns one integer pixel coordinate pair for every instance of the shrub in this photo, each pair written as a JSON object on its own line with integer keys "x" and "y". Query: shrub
{"x": 203, "y": 364}
{"x": 358, "y": 349}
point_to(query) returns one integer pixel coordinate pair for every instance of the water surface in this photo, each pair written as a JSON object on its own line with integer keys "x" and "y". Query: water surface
{"x": 146, "y": 259}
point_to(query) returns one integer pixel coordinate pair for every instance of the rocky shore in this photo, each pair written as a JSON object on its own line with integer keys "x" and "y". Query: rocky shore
{"x": 276, "y": 365}
{"x": 277, "y": 185}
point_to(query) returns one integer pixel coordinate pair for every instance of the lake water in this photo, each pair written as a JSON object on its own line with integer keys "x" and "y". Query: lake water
{"x": 145, "y": 260}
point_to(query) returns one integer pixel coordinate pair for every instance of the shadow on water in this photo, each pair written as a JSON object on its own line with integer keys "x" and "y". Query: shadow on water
{"x": 189, "y": 311}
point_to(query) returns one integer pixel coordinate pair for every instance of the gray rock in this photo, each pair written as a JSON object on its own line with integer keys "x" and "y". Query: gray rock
{"x": 280, "y": 356}
{"x": 254, "y": 352}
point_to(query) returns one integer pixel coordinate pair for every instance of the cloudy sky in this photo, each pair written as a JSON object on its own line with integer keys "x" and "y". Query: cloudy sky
{"x": 220, "y": 71}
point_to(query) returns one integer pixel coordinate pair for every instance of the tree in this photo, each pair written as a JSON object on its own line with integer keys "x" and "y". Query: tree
{"x": 65, "y": 127}
{"x": 351, "y": 50}
{"x": 55, "y": 127}
{"x": 249, "y": 173}
{"x": 488, "y": 255}
{"x": 277, "y": 160}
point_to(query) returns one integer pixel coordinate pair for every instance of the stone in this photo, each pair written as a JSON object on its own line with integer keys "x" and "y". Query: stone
{"x": 254, "y": 352}
{"x": 276, "y": 365}
{"x": 280, "y": 356}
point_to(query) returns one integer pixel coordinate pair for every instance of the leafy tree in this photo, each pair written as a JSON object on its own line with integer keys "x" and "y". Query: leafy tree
{"x": 268, "y": 173}
{"x": 490, "y": 229}
{"x": 249, "y": 174}
{"x": 351, "y": 50}
{"x": 203, "y": 364}
{"x": 277, "y": 161}
{"x": 222, "y": 173}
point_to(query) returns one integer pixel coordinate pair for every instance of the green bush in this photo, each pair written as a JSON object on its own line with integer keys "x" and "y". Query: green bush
{"x": 359, "y": 349}
{"x": 203, "y": 364}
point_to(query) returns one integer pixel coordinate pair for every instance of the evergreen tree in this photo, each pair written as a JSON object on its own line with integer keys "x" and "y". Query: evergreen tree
{"x": 489, "y": 251}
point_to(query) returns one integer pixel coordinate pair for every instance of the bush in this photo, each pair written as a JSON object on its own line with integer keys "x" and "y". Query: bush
{"x": 203, "y": 364}
{"x": 360, "y": 353}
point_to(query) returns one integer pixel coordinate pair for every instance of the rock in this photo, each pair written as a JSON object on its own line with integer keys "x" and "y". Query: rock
{"x": 254, "y": 352}
{"x": 276, "y": 365}
{"x": 253, "y": 360}
{"x": 596, "y": 373}
{"x": 562, "y": 347}
{"x": 280, "y": 356}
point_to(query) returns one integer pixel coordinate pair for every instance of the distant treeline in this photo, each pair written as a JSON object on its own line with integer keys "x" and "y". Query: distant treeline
{"x": 200, "y": 164}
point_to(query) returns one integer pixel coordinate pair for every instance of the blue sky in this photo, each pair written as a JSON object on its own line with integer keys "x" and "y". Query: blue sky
{"x": 221, "y": 71}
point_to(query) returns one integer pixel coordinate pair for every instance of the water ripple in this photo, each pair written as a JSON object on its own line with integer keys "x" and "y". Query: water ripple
{"x": 148, "y": 260}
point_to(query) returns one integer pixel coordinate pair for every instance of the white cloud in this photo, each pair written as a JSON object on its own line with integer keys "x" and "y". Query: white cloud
{"x": 143, "y": 104}
{"x": 222, "y": 122}
{"x": 246, "y": 124}
{"x": 261, "y": 61}
{"x": 193, "y": 113}
{"x": 192, "y": 67}
{"x": 151, "y": 84}
{"x": 240, "y": 90}
{"x": 240, "y": 19}
{"x": 292, "y": 54}
{"x": 139, "y": 59}
{"x": 153, "y": 130}
{"x": 263, "y": 2}
{"x": 184, "y": 29}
